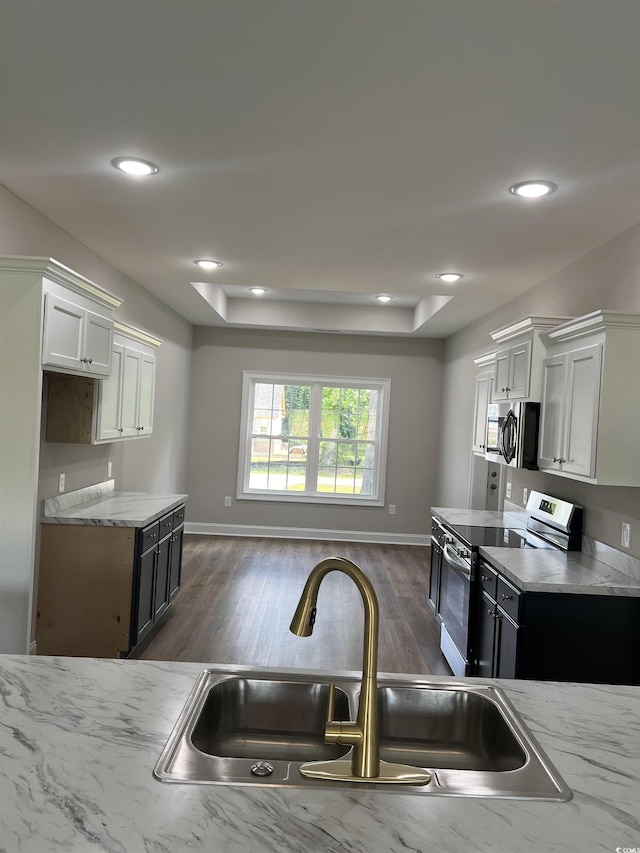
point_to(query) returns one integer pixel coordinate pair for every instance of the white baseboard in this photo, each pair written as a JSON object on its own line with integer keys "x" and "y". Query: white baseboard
{"x": 305, "y": 533}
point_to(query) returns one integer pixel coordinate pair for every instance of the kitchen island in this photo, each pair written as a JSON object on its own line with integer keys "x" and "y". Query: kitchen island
{"x": 79, "y": 739}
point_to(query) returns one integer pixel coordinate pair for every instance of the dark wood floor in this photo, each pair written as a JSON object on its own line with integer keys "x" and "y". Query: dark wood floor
{"x": 238, "y": 596}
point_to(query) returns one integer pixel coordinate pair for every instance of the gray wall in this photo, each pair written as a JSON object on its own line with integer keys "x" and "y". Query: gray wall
{"x": 156, "y": 464}
{"x": 608, "y": 277}
{"x": 414, "y": 367}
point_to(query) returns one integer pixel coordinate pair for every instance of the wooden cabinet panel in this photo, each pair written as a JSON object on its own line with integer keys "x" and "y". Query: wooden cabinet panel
{"x": 99, "y": 593}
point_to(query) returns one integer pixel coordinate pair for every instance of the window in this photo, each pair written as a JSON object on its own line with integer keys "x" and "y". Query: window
{"x": 313, "y": 438}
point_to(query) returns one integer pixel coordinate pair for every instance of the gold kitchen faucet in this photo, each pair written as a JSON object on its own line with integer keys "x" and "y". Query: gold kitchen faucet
{"x": 363, "y": 734}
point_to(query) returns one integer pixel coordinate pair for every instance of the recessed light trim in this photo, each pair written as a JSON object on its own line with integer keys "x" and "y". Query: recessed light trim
{"x": 533, "y": 189}
{"x": 449, "y": 277}
{"x": 207, "y": 264}
{"x": 134, "y": 166}
{"x": 384, "y": 298}
{"x": 258, "y": 291}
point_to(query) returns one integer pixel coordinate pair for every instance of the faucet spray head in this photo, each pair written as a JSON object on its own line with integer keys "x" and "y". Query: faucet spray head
{"x": 304, "y": 618}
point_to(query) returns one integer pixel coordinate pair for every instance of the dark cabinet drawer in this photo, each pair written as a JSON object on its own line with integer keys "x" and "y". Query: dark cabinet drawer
{"x": 166, "y": 524}
{"x": 508, "y": 598}
{"x": 178, "y": 517}
{"x": 150, "y": 536}
{"x": 488, "y": 578}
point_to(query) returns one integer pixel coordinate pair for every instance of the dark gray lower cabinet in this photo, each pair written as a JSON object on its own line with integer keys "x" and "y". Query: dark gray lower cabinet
{"x": 158, "y": 570}
{"x": 553, "y": 636}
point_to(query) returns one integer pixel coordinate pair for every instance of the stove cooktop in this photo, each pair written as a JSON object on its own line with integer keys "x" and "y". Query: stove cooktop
{"x": 498, "y": 537}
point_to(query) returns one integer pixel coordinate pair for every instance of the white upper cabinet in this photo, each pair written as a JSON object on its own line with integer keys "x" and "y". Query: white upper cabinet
{"x": 125, "y": 400}
{"x": 590, "y": 403}
{"x": 78, "y": 327}
{"x": 518, "y": 361}
{"x": 485, "y": 365}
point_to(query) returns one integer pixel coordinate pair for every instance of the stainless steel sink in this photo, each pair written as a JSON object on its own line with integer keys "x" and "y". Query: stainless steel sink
{"x": 270, "y": 720}
{"x": 237, "y": 724}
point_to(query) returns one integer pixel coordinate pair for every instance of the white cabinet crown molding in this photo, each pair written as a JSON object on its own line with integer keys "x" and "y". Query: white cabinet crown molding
{"x": 55, "y": 271}
{"x": 596, "y": 321}
{"x": 527, "y": 324}
{"x": 485, "y": 360}
{"x": 135, "y": 334}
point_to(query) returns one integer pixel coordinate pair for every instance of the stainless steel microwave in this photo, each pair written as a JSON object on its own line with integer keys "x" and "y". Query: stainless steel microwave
{"x": 512, "y": 434}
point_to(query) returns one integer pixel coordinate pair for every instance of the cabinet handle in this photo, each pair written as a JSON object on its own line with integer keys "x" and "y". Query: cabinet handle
{"x": 152, "y": 535}
{"x": 506, "y": 597}
{"x": 503, "y": 390}
{"x": 90, "y": 360}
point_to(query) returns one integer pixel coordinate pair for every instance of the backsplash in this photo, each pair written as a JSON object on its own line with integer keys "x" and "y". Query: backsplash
{"x": 60, "y": 503}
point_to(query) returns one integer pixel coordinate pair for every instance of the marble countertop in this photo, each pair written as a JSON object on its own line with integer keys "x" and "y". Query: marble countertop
{"x": 544, "y": 570}
{"x": 79, "y": 739}
{"x": 101, "y": 505}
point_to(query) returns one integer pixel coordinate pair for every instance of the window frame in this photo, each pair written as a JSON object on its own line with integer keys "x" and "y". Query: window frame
{"x": 252, "y": 377}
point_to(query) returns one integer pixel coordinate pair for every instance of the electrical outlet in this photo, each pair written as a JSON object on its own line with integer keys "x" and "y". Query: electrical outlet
{"x": 507, "y": 491}
{"x": 525, "y": 495}
{"x": 392, "y": 509}
{"x": 109, "y": 469}
{"x": 61, "y": 480}
{"x": 227, "y": 500}
{"x": 625, "y": 536}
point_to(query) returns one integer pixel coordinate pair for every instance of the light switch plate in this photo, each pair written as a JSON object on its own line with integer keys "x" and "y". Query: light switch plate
{"x": 508, "y": 491}
{"x": 227, "y": 500}
{"x": 109, "y": 469}
{"x": 61, "y": 480}
{"x": 525, "y": 495}
{"x": 392, "y": 509}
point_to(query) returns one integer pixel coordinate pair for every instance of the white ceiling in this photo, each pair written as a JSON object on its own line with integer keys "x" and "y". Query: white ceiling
{"x": 328, "y": 150}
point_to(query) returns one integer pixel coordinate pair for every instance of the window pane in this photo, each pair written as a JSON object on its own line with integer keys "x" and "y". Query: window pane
{"x": 326, "y": 479}
{"x": 295, "y": 420}
{"x": 297, "y": 451}
{"x": 327, "y": 453}
{"x": 345, "y": 481}
{"x": 263, "y": 396}
{"x": 278, "y": 451}
{"x": 258, "y": 475}
{"x": 296, "y": 478}
{"x": 261, "y": 422}
{"x": 346, "y": 453}
{"x": 367, "y": 413}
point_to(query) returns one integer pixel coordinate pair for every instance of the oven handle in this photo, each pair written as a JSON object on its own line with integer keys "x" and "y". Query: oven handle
{"x": 456, "y": 562}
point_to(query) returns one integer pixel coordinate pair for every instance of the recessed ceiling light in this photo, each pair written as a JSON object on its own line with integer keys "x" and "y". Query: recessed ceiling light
{"x": 257, "y": 291}
{"x": 133, "y": 166}
{"x": 533, "y": 189}
{"x": 207, "y": 264}
{"x": 383, "y": 298}
{"x": 450, "y": 276}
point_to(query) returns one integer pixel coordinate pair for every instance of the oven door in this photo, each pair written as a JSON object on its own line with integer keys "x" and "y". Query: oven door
{"x": 455, "y": 587}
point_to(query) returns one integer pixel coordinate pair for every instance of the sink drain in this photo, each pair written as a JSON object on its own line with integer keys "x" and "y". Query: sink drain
{"x": 262, "y": 768}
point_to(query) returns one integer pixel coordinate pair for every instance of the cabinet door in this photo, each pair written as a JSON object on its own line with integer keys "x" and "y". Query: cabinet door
{"x": 486, "y": 626}
{"x": 144, "y": 604}
{"x": 483, "y": 393}
{"x": 519, "y": 371}
{"x": 175, "y": 562}
{"x": 97, "y": 344}
{"x": 146, "y": 389}
{"x": 553, "y": 409}
{"x": 501, "y": 377}
{"x": 161, "y": 585}
{"x": 109, "y": 417}
{"x": 63, "y": 340}
{"x": 130, "y": 392}
{"x": 582, "y": 400}
{"x": 506, "y": 646}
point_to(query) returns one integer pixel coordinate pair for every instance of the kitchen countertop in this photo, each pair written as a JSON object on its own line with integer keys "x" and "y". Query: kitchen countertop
{"x": 101, "y": 505}
{"x": 79, "y": 739}
{"x": 543, "y": 570}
